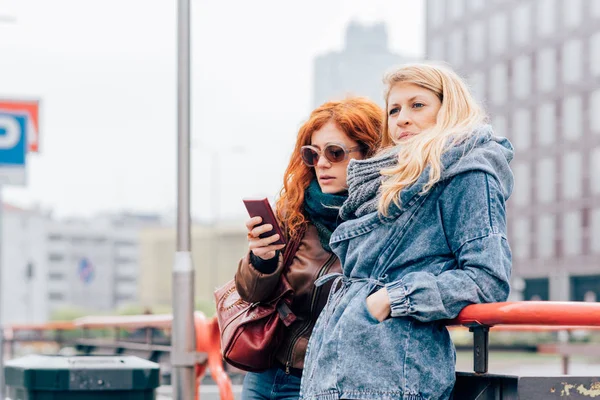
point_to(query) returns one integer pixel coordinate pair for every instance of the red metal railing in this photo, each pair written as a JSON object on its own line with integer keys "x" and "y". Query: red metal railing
{"x": 552, "y": 313}
{"x": 525, "y": 315}
{"x": 536, "y": 316}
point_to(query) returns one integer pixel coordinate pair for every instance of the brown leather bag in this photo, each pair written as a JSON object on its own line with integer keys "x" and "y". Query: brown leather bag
{"x": 252, "y": 332}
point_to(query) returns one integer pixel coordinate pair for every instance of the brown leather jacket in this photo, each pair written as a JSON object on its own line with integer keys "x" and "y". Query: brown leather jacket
{"x": 310, "y": 263}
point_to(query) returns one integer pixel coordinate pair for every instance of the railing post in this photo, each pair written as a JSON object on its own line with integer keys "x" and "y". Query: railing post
{"x": 481, "y": 338}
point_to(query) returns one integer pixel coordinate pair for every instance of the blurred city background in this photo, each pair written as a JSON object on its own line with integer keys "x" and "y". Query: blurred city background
{"x": 89, "y": 227}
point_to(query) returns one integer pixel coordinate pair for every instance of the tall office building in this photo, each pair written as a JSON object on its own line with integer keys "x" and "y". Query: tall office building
{"x": 356, "y": 70}
{"x": 535, "y": 64}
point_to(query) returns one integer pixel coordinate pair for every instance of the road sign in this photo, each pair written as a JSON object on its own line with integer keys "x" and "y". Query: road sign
{"x": 13, "y": 148}
{"x": 85, "y": 270}
{"x": 30, "y": 108}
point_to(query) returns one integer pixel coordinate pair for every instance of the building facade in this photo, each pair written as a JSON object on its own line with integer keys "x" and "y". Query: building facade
{"x": 216, "y": 252}
{"x": 356, "y": 70}
{"x": 535, "y": 65}
{"x": 50, "y": 265}
{"x": 23, "y": 260}
{"x": 92, "y": 265}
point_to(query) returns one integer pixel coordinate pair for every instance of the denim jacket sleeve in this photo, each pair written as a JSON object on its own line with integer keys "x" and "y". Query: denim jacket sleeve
{"x": 472, "y": 211}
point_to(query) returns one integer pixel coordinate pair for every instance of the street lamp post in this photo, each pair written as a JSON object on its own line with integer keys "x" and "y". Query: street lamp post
{"x": 183, "y": 354}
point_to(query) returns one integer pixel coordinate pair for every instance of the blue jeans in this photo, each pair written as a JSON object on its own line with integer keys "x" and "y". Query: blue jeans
{"x": 273, "y": 384}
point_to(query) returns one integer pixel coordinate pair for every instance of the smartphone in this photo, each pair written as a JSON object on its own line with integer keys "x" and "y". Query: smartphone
{"x": 262, "y": 208}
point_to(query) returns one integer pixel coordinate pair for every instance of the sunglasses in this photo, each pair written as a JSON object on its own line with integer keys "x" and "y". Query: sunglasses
{"x": 333, "y": 152}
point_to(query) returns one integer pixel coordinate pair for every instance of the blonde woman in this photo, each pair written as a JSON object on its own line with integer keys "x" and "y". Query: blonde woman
{"x": 425, "y": 236}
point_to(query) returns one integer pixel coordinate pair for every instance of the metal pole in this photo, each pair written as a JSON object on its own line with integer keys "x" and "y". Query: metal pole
{"x": 183, "y": 335}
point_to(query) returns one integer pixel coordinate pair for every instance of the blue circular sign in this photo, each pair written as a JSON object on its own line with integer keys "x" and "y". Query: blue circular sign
{"x": 85, "y": 270}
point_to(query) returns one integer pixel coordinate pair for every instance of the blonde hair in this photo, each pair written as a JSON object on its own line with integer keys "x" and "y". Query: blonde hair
{"x": 457, "y": 118}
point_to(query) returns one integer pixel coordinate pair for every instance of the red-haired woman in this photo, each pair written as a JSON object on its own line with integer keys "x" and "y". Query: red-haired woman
{"x": 314, "y": 189}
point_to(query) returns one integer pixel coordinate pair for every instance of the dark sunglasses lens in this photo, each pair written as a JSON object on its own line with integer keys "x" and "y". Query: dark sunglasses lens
{"x": 309, "y": 156}
{"x": 335, "y": 154}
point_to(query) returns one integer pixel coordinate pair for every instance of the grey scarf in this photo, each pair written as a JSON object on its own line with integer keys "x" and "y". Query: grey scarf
{"x": 364, "y": 181}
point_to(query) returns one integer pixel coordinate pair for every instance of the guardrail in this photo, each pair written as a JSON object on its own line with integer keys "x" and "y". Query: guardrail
{"x": 523, "y": 315}
{"x": 532, "y": 316}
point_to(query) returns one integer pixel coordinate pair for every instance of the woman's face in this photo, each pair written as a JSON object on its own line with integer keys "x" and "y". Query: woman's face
{"x": 332, "y": 176}
{"x": 411, "y": 110}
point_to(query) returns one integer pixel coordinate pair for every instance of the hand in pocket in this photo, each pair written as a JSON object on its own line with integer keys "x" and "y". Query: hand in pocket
{"x": 378, "y": 304}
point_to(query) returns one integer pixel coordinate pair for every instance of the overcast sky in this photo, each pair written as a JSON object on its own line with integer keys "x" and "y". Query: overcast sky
{"x": 105, "y": 71}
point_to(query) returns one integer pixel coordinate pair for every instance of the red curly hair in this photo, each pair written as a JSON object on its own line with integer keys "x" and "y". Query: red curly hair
{"x": 359, "y": 118}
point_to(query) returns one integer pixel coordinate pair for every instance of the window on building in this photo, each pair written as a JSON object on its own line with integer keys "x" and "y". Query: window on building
{"x": 595, "y": 116}
{"x": 55, "y": 237}
{"x": 572, "y": 117}
{"x": 125, "y": 243}
{"x": 457, "y": 8}
{"x": 595, "y": 171}
{"x": 572, "y": 13}
{"x": 54, "y": 257}
{"x": 545, "y": 236}
{"x": 595, "y": 54}
{"x": 546, "y": 69}
{"x": 572, "y": 233}
{"x": 56, "y": 276}
{"x": 546, "y": 180}
{"x": 546, "y": 17}
{"x": 55, "y": 296}
{"x": 520, "y": 132}
{"x": 571, "y": 61}
{"x": 498, "y": 33}
{"x": 436, "y": 49}
{"x": 595, "y": 230}
{"x": 522, "y": 189}
{"x": 477, "y": 84}
{"x": 499, "y": 125}
{"x": 456, "y": 54}
{"x": 521, "y": 29}
{"x": 498, "y": 82}
{"x": 437, "y": 12}
{"x": 521, "y": 242}
{"x": 124, "y": 260}
{"x": 546, "y": 123}
{"x": 522, "y": 77}
{"x": 126, "y": 279}
{"x": 572, "y": 177}
{"x": 124, "y": 297}
{"x": 476, "y": 41}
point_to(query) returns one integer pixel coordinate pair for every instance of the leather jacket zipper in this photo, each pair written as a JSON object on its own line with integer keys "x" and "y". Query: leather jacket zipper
{"x": 315, "y": 295}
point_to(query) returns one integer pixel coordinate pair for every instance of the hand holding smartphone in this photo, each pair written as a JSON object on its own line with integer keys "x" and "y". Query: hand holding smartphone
{"x": 262, "y": 208}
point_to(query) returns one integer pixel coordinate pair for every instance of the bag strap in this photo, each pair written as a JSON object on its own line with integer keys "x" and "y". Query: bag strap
{"x": 292, "y": 246}
{"x": 285, "y": 312}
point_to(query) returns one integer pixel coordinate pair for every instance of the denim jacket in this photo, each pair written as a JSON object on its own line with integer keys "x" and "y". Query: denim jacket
{"x": 437, "y": 253}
